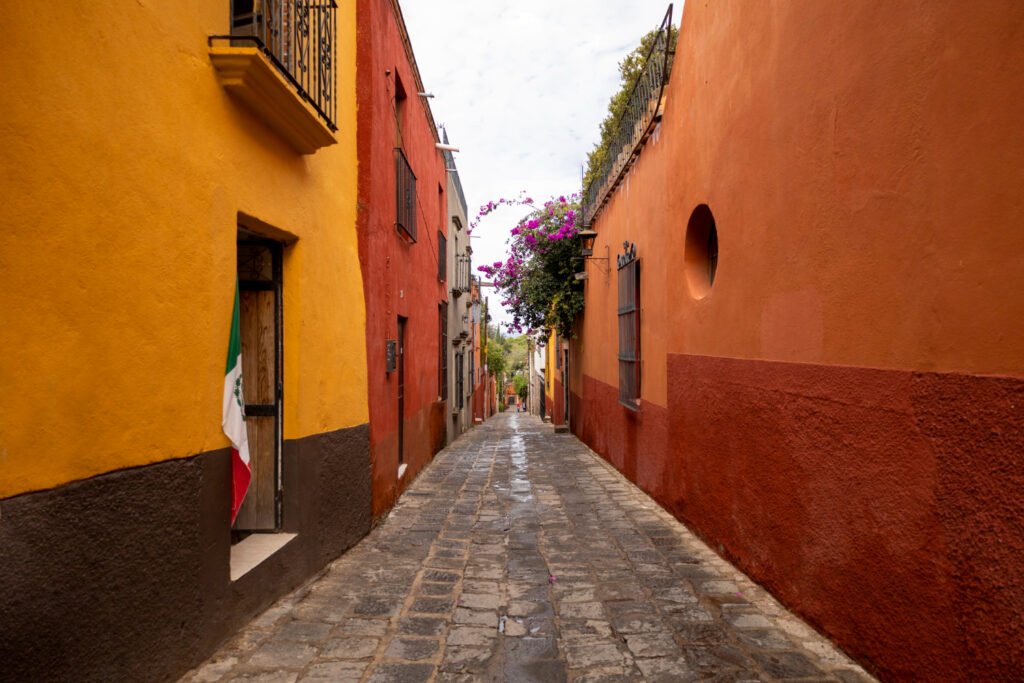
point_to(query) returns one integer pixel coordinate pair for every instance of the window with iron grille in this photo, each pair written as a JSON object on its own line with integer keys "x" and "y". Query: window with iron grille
{"x": 442, "y": 257}
{"x": 629, "y": 327}
{"x": 442, "y": 363}
{"x": 405, "y": 195}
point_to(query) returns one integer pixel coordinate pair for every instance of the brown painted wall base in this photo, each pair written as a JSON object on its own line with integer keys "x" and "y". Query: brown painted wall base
{"x": 885, "y": 506}
{"x": 125, "y": 576}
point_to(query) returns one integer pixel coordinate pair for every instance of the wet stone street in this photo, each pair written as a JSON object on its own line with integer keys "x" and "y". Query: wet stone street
{"x": 519, "y": 555}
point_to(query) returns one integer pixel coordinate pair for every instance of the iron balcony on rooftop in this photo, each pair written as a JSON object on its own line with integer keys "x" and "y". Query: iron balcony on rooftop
{"x": 635, "y": 125}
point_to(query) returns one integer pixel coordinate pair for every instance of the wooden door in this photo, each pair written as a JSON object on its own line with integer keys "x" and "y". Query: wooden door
{"x": 401, "y": 389}
{"x": 565, "y": 383}
{"x": 259, "y": 279}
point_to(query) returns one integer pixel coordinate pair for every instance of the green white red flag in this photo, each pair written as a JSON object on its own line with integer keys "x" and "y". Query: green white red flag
{"x": 233, "y": 418}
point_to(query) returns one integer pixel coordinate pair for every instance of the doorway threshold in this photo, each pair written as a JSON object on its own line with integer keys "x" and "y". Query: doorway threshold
{"x": 254, "y": 549}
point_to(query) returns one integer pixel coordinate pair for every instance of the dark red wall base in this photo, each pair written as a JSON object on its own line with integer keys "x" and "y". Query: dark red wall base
{"x": 423, "y": 436}
{"x": 884, "y": 506}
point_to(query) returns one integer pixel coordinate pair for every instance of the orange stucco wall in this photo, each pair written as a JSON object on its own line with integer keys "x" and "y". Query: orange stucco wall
{"x": 842, "y": 414}
{"x": 896, "y": 143}
{"x": 127, "y": 165}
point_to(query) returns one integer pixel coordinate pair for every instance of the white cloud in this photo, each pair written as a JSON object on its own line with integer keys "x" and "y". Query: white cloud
{"x": 522, "y": 88}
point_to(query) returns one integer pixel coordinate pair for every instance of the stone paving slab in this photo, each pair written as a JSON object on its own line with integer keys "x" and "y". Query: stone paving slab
{"x": 520, "y": 555}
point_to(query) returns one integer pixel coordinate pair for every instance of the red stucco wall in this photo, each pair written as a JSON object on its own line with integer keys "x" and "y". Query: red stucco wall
{"x": 842, "y": 414}
{"x": 400, "y": 278}
{"x": 883, "y": 504}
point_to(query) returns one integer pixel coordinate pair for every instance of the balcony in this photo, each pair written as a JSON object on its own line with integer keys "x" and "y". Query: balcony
{"x": 279, "y": 62}
{"x": 636, "y": 124}
{"x": 462, "y": 275}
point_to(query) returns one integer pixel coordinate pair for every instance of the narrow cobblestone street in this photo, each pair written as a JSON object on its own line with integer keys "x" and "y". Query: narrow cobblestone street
{"x": 519, "y": 555}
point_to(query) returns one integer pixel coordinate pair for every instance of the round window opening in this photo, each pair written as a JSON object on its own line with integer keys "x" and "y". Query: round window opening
{"x": 701, "y": 251}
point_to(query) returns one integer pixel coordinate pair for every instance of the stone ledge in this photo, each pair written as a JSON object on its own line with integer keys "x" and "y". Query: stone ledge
{"x": 248, "y": 75}
{"x": 248, "y": 553}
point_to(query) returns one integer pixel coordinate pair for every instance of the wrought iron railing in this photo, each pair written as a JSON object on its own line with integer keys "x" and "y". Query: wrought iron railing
{"x": 635, "y": 123}
{"x": 298, "y": 38}
{"x": 462, "y": 275}
{"x": 405, "y": 195}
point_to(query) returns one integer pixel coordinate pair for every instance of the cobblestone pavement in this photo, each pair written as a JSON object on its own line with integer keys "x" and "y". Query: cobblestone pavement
{"x": 520, "y": 555}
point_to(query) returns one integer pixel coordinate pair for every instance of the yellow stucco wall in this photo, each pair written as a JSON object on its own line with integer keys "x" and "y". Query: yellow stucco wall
{"x": 125, "y": 166}
{"x": 549, "y": 369}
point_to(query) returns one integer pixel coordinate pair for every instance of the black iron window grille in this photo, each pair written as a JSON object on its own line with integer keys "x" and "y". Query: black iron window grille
{"x": 442, "y": 362}
{"x": 636, "y": 122}
{"x": 442, "y": 257}
{"x": 629, "y": 327}
{"x": 297, "y": 36}
{"x": 405, "y": 195}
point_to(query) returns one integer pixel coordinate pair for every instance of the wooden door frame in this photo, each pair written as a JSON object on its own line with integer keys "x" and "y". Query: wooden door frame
{"x": 401, "y": 339}
{"x": 245, "y": 238}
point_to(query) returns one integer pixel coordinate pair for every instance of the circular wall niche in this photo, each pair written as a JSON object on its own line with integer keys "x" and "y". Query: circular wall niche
{"x": 700, "y": 254}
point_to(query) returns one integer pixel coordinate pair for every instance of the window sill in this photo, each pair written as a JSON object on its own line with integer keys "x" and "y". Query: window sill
{"x": 634, "y": 407}
{"x": 250, "y": 77}
{"x": 254, "y": 549}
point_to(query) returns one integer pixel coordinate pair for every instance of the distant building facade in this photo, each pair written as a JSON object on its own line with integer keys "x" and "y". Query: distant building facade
{"x": 460, "y": 350}
{"x": 402, "y": 222}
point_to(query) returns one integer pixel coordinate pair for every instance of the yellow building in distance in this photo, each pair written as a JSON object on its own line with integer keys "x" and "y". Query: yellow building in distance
{"x": 154, "y": 154}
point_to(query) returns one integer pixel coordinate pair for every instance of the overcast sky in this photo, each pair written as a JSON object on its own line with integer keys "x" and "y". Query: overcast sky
{"x": 521, "y": 88}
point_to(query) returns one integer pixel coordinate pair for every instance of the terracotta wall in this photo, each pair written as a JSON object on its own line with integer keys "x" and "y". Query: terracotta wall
{"x": 842, "y": 413}
{"x": 401, "y": 277}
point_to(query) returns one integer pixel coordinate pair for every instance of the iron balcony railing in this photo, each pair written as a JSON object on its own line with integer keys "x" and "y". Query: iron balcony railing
{"x": 635, "y": 123}
{"x": 405, "y": 195}
{"x": 462, "y": 275}
{"x": 298, "y": 38}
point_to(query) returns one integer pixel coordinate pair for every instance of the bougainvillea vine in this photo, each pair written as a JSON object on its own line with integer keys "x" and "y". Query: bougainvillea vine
{"x": 537, "y": 280}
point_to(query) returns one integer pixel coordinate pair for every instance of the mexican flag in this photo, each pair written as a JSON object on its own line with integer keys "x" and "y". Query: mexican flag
{"x": 233, "y": 419}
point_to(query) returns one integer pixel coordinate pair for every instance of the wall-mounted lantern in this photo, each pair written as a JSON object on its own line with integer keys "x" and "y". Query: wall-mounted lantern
{"x": 587, "y": 236}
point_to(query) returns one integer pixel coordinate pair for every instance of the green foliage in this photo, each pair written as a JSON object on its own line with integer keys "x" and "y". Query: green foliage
{"x": 496, "y": 359}
{"x": 521, "y": 385}
{"x": 630, "y": 70}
